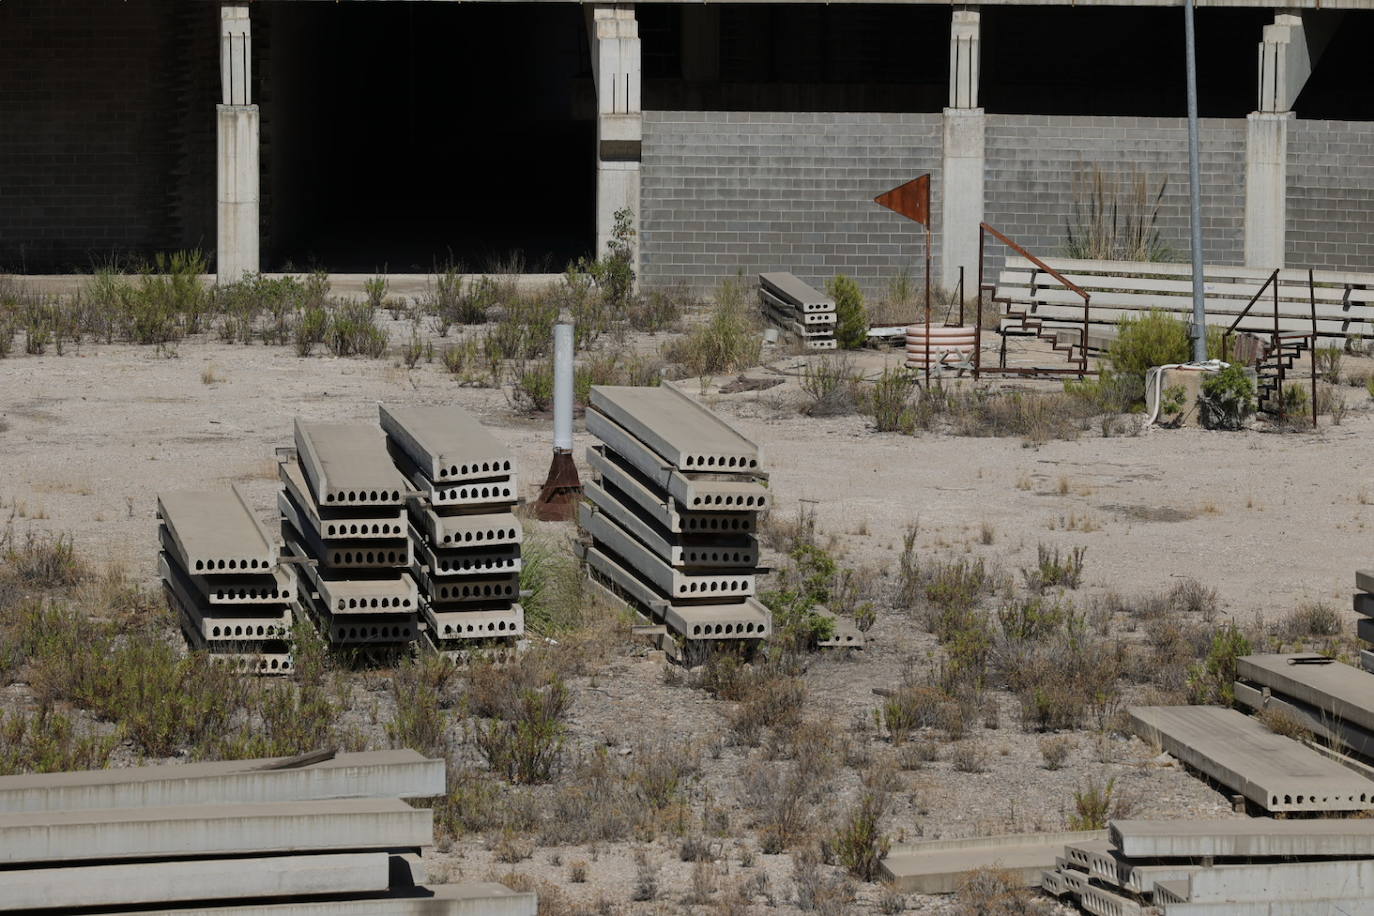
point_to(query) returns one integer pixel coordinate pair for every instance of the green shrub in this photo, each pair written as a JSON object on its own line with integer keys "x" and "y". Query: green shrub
{"x": 1092, "y": 805}
{"x": 532, "y": 386}
{"x": 1213, "y": 679}
{"x": 889, "y": 402}
{"x": 1153, "y": 339}
{"x": 1227, "y": 400}
{"x": 859, "y": 843}
{"x": 851, "y": 318}
{"x": 527, "y": 745}
{"x": 614, "y": 272}
{"x": 729, "y": 341}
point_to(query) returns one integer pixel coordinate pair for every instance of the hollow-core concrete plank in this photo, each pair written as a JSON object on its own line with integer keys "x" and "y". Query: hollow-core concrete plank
{"x": 684, "y": 433}
{"x": 1281, "y": 881}
{"x": 483, "y": 624}
{"x": 702, "y": 552}
{"x": 475, "y": 899}
{"x": 479, "y": 529}
{"x": 1342, "y": 692}
{"x": 1337, "y": 732}
{"x": 203, "y": 879}
{"x": 499, "y": 493}
{"x": 1347, "y": 906}
{"x": 674, "y": 583}
{"x": 215, "y": 532}
{"x": 796, "y": 291}
{"x": 698, "y": 493}
{"x": 1274, "y": 772}
{"x": 1244, "y": 837}
{"x": 354, "y": 824}
{"x": 340, "y": 521}
{"x": 347, "y": 464}
{"x": 1364, "y": 580}
{"x": 368, "y": 774}
{"x": 447, "y": 443}
{"x": 665, "y": 510}
{"x": 1363, "y": 604}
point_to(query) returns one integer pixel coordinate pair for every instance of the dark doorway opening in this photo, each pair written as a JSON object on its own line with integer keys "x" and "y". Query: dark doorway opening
{"x": 401, "y": 136}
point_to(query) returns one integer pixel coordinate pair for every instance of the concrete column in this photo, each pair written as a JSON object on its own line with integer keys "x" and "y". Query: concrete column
{"x": 961, "y": 190}
{"x": 237, "y": 163}
{"x": 1288, "y": 50}
{"x": 619, "y": 122}
{"x": 1266, "y": 187}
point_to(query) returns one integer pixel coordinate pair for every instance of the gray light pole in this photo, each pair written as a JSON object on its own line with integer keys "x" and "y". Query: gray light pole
{"x": 1199, "y": 328}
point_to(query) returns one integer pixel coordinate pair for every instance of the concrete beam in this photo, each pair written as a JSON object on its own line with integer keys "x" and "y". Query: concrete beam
{"x": 965, "y": 54}
{"x": 684, "y": 433}
{"x": 1274, "y": 772}
{"x": 1289, "y": 49}
{"x": 938, "y": 867}
{"x": 1287, "y": 881}
{"x": 212, "y": 879}
{"x": 616, "y": 72}
{"x": 194, "y": 830}
{"x": 369, "y": 774}
{"x": 347, "y": 464}
{"x": 475, "y": 899}
{"x": 1266, "y": 188}
{"x": 1343, "y": 693}
{"x": 447, "y": 443}
{"x": 215, "y": 532}
{"x": 1244, "y": 837}
{"x": 697, "y": 494}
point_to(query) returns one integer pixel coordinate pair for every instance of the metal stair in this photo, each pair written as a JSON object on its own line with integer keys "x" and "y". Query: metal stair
{"x": 1275, "y": 360}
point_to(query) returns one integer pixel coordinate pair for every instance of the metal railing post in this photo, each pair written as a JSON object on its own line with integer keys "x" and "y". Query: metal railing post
{"x": 1312, "y": 304}
{"x": 978, "y": 321}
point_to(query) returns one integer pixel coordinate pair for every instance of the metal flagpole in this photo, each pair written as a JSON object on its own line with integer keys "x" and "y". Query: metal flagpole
{"x": 1199, "y": 328}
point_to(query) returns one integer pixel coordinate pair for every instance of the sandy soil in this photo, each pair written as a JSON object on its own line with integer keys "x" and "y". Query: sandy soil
{"x": 1268, "y": 519}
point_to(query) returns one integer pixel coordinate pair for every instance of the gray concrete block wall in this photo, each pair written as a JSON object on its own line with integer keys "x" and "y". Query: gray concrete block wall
{"x": 1330, "y": 195}
{"x": 1032, "y": 161}
{"x": 725, "y": 192}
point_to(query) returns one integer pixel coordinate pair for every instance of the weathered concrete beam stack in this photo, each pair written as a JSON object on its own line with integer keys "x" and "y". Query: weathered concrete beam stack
{"x": 797, "y": 309}
{"x": 1364, "y": 606}
{"x": 1331, "y": 701}
{"x": 220, "y": 574}
{"x": 673, "y": 513}
{"x": 279, "y": 836}
{"x": 343, "y": 521}
{"x": 464, "y": 535}
{"x": 1237, "y": 867}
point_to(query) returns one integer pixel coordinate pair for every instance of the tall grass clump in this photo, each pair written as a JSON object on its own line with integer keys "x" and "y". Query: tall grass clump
{"x": 730, "y": 340}
{"x": 1115, "y": 217}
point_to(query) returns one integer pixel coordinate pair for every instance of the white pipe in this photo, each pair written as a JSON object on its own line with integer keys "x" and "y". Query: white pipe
{"x": 1155, "y": 375}
{"x": 562, "y": 386}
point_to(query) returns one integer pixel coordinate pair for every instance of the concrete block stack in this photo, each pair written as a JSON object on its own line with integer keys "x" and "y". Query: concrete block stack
{"x": 1364, "y": 606}
{"x": 221, "y": 575}
{"x": 672, "y": 514}
{"x": 1235, "y": 867}
{"x": 799, "y": 310}
{"x": 464, "y": 535}
{"x": 343, "y": 522}
{"x": 318, "y": 833}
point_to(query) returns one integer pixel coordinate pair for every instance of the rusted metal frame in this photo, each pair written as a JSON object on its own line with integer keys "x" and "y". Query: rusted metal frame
{"x": 1226, "y": 335}
{"x": 1276, "y": 345}
{"x": 978, "y": 323}
{"x": 1082, "y": 370}
{"x": 961, "y": 296}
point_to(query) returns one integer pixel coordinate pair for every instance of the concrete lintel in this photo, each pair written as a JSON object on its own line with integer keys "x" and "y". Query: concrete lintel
{"x": 961, "y": 196}
{"x": 1266, "y": 188}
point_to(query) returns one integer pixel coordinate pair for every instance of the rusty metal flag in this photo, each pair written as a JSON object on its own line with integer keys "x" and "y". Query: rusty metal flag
{"x": 912, "y": 200}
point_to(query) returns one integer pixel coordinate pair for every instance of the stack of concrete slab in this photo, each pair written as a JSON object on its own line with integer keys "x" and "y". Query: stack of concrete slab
{"x": 1332, "y": 701}
{"x": 672, "y": 513}
{"x": 279, "y": 836}
{"x": 1238, "y": 867}
{"x": 343, "y": 520}
{"x": 941, "y": 866}
{"x": 796, "y": 308}
{"x": 1276, "y": 773}
{"x": 1364, "y": 626}
{"x": 221, "y": 575}
{"x": 463, "y": 531}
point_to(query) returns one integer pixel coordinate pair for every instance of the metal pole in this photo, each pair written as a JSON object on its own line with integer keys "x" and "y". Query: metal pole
{"x": 1194, "y": 193}
{"x": 562, "y": 387}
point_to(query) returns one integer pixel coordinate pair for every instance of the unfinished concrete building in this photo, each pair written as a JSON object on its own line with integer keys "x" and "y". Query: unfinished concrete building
{"x": 745, "y": 137}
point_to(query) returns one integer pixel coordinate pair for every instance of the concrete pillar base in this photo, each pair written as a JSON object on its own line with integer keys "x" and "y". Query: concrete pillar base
{"x": 238, "y": 192}
{"x": 617, "y": 187}
{"x": 961, "y": 197}
{"x": 1266, "y": 188}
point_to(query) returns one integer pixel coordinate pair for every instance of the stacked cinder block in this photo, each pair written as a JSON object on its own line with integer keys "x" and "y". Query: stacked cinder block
{"x": 1235, "y": 867}
{"x": 220, "y": 573}
{"x": 673, "y": 513}
{"x": 798, "y": 309}
{"x": 464, "y": 534}
{"x": 284, "y": 836}
{"x": 1364, "y": 606}
{"x": 343, "y": 521}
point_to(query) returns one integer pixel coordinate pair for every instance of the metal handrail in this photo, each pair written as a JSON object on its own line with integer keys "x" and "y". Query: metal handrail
{"x": 984, "y": 228}
{"x": 1226, "y": 335}
{"x": 1277, "y": 337}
